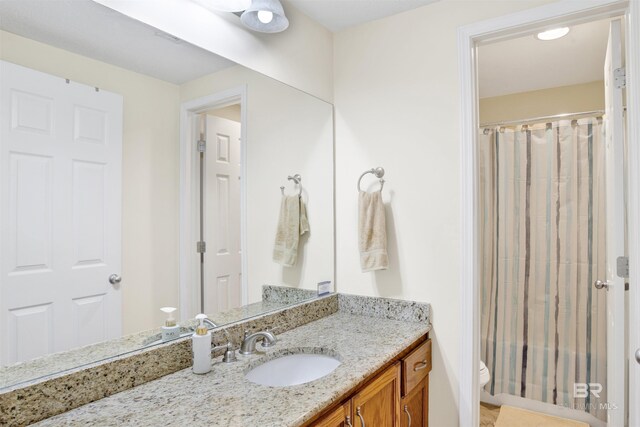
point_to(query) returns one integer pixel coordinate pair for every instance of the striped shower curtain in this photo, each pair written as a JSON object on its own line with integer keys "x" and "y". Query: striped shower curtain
{"x": 542, "y": 245}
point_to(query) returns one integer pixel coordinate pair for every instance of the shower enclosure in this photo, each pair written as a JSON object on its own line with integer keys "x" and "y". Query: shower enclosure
{"x": 542, "y": 222}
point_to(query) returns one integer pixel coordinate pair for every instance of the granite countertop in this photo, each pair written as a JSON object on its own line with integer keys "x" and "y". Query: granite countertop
{"x": 224, "y": 397}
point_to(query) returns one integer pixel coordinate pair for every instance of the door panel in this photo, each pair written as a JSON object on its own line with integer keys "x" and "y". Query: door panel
{"x": 60, "y": 214}
{"x": 222, "y": 265}
{"x": 30, "y": 218}
{"x": 614, "y": 176}
{"x": 378, "y": 404}
{"x": 413, "y": 408}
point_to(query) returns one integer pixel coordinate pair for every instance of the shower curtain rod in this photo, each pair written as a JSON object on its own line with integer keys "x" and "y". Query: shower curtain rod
{"x": 543, "y": 118}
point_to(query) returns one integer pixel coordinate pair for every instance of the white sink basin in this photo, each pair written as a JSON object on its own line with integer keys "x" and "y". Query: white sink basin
{"x": 292, "y": 369}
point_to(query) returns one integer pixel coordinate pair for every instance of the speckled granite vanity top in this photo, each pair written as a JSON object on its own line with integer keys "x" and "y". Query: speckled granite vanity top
{"x": 364, "y": 339}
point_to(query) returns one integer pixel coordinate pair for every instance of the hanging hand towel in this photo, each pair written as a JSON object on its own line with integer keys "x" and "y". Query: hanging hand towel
{"x": 292, "y": 224}
{"x": 372, "y": 232}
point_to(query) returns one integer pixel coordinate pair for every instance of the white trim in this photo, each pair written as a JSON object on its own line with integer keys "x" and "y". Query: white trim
{"x": 527, "y": 21}
{"x": 469, "y": 410}
{"x": 633, "y": 161}
{"x": 189, "y": 300}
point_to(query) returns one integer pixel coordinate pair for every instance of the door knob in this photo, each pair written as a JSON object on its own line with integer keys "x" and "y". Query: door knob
{"x": 599, "y": 284}
{"x": 114, "y": 279}
{"x": 638, "y": 355}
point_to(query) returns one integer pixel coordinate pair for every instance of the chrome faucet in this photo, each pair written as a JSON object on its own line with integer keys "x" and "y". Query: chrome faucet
{"x": 249, "y": 342}
{"x": 209, "y": 323}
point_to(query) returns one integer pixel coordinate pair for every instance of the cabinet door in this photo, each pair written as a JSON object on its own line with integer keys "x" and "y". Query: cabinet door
{"x": 341, "y": 417}
{"x": 414, "y": 407}
{"x": 378, "y": 403}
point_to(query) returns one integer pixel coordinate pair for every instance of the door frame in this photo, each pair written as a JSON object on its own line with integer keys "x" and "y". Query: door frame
{"x": 189, "y": 290}
{"x": 523, "y": 23}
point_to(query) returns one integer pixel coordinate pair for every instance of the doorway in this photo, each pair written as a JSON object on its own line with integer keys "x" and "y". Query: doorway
{"x": 525, "y": 23}
{"x": 212, "y": 217}
{"x": 542, "y": 214}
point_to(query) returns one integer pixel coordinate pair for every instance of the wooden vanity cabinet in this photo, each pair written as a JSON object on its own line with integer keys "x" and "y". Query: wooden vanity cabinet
{"x": 396, "y": 397}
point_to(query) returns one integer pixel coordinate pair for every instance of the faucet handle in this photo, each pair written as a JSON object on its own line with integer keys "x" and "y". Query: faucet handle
{"x": 229, "y": 354}
{"x": 267, "y": 343}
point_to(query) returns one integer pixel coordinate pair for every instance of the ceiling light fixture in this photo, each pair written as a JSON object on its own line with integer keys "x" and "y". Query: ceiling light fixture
{"x": 553, "y": 34}
{"x": 224, "y": 5}
{"x": 265, "y": 16}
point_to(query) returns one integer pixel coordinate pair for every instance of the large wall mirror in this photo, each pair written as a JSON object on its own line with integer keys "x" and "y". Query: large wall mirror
{"x": 139, "y": 172}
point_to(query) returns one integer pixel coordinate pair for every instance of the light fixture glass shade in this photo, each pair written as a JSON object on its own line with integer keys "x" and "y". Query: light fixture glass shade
{"x": 553, "y": 34}
{"x": 278, "y": 23}
{"x": 224, "y": 5}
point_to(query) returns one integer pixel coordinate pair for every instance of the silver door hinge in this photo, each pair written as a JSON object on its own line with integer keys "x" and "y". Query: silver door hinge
{"x": 622, "y": 267}
{"x": 202, "y": 146}
{"x": 201, "y": 247}
{"x": 620, "y": 78}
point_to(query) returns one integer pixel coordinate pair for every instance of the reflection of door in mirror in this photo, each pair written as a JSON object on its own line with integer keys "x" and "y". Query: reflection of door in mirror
{"x": 221, "y": 203}
{"x": 61, "y": 156}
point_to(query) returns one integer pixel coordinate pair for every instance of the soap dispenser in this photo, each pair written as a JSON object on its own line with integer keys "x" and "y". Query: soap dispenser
{"x": 201, "y": 346}
{"x": 170, "y": 330}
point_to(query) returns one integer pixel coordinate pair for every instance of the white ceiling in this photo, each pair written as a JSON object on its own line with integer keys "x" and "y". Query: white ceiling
{"x": 92, "y": 30}
{"x": 337, "y": 15}
{"x": 526, "y": 63}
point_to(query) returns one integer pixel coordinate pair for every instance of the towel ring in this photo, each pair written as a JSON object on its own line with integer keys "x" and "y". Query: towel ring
{"x": 378, "y": 172}
{"x": 296, "y": 179}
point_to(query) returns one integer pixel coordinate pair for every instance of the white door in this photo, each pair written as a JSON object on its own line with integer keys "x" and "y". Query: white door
{"x": 222, "y": 264}
{"x": 60, "y": 197}
{"x": 614, "y": 137}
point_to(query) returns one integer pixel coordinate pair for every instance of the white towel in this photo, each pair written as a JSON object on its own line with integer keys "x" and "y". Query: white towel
{"x": 372, "y": 232}
{"x": 292, "y": 224}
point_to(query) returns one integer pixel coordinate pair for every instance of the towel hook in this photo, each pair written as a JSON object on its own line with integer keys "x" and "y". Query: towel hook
{"x": 378, "y": 172}
{"x": 296, "y": 179}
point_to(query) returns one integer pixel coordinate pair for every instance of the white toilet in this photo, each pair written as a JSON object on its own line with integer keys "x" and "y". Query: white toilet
{"x": 484, "y": 375}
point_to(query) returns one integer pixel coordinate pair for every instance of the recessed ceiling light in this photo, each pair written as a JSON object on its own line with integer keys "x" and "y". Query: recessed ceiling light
{"x": 553, "y": 34}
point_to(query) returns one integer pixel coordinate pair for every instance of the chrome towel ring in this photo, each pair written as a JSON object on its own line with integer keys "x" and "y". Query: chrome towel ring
{"x": 378, "y": 172}
{"x": 297, "y": 180}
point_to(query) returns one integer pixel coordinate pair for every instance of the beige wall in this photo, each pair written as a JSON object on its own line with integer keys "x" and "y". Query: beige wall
{"x": 149, "y": 168}
{"x": 232, "y": 112}
{"x": 288, "y": 132}
{"x": 546, "y": 102}
{"x": 397, "y": 106}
